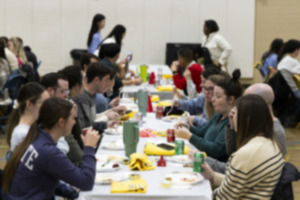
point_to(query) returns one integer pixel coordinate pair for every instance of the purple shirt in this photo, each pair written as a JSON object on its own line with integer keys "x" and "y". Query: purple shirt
{"x": 43, "y": 165}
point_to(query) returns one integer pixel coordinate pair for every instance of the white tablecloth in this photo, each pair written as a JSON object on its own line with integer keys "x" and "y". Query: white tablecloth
{"x": 129, "y": 90}
{"x": 154, "y": 177}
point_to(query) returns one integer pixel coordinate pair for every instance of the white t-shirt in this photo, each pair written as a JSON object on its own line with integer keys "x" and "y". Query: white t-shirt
{"x": 18, "y": 135}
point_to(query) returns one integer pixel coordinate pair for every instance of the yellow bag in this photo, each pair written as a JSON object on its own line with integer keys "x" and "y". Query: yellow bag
{"x": 132, "y": 186}
{"x": 140, "y": 161}
{"x": 158, "y": 149}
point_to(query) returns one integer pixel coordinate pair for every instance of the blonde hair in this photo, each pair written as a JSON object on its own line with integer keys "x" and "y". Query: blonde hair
{"x": 18, "y": 49}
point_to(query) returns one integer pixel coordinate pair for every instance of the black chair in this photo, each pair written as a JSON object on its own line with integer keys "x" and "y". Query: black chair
{"x": 285, "y": 101}
{"x": 284, "y": 188}
{"x": 13, "y": 83}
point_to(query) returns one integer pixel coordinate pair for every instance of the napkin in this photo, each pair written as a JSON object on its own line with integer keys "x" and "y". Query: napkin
{"x": 166, "y": 149}
{"x": 152, "y": 78}
{"x": 164, "y": 88}
{"x": 132, "y": 186}
{"x": 140, "y": 161}
{"x": 154, "y": 98}
{"x": 167, "y": 76}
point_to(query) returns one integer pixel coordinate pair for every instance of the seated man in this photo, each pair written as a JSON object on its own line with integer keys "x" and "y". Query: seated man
{"x": 266, "y": 92}
{"x": 109, "y": 54}
{"x": 188, "y": 74}
{"x": 57, "y": 85}
{"x": 99, "y": 78}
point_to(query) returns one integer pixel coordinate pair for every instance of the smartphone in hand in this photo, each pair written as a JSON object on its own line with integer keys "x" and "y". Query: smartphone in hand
{"x": 129, "y": 56}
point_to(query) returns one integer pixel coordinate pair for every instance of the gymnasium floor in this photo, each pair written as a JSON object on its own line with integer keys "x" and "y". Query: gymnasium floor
{"x": 292, "y": 139}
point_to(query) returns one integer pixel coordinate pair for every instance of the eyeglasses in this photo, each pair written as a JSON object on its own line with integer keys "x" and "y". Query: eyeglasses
{"x": 208, "y": 89}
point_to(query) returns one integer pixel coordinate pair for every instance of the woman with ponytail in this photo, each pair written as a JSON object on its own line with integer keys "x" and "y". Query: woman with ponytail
{"x": 211, "y": 137}
{"x": 25, "y": 112}
{"x": 37, "y": 165}
{"x": 289, "y": 65}
{"x": 95, "y": 37}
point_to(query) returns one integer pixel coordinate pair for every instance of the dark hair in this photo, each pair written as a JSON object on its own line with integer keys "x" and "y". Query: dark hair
{"x": 31, "y": 91}
{"x": 94, "y": 28}
{"x": 73, "y": 74}
{"x": 85, "y": 59}
{"x": 117, "y": 32}
{"x": 288, "y": 47}
{"x": 211, "y": 25}
{"x": 253, "y": 119}
{"x": 109, "y": 50}
{"x": 186, "y": 53}
{"x": 232, "y": 87}
{"x": 275, "y": 47}
{"x": 99, "y": 70}
{"x": 51, "y": 80}
{"x": 210, "y": 71}
{"x": 2, "y": 51}
{"x": 4, "y": 40}
{"x": 51, "y": 111}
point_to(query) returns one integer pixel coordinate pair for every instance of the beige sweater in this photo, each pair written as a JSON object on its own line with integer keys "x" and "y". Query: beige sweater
{"x": 252, "y": 172}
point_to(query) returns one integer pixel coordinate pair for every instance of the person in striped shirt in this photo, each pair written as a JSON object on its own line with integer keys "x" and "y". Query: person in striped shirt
{"x": 253, "y": 171}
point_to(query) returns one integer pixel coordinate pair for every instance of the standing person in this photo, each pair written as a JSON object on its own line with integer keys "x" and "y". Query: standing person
{"x": 218, "y": 47}
{"x": 95, "y": 38}
{"x": 211, "y": 137}
{"x": 269, "y": 58}
{"x": 188, "y": 72}
{"x": 115, "y": 36}
{"x": 34, "y": 170}
{"x": 253, "y": 171}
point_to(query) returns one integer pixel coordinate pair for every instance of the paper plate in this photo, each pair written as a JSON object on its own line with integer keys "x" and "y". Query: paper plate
{"x": 113, "y": 131}
{"x": 182, "y": 159}
{"x": 114, "y": 145}
{"x": 184, "y": 178}
{"x": 111, "y": 158}
{"x": 107, "y": 167}
{"x": 107, "y": 178}
{"x": 171, "y": 118}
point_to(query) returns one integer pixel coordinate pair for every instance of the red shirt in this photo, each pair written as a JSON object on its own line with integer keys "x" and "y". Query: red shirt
{"x": 180, "y": 82}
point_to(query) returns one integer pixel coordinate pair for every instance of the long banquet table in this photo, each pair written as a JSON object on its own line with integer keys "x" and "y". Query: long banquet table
{"x": 129, "y": 90}
{"x": 154, "y": 177}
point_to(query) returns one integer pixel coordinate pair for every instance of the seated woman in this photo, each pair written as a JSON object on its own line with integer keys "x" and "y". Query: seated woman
{"x": 201, "y": 105}
{"x": 253, "y": 171}
{"x": 211, "y": 137}
{"x": 25, "y": 112}
{"x": 32, "y": 171}
{"x": 269, "y": 58}
{"x": 15, "y": 45}
{"x": 289, "y": 65}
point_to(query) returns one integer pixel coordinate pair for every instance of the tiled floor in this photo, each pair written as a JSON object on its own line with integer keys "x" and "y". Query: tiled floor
{"x": 292, "y": 135}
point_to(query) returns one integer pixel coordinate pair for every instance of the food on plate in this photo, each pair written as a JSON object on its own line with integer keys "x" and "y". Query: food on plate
{"x": 147, "y": 133}
{"x": 123, "y": 118}
{"x": 116, "y": 165}
{"x": 188, "y": 165}
{"x": 171, "y": 118}
{"x": 160, "y": 133}
{"x": 188, "y": 180}
{"x": 168, "y": 179}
